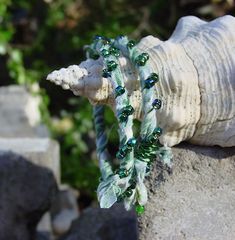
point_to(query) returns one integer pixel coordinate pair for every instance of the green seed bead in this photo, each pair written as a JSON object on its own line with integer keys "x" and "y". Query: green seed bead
{"x": 105, "y": 53}
{"x": 114, "y": 51}
{"x": 128, "y": 110}
{"x": 119, "y": 90}
{"x": 106, "y": 40}
{"x": 149, "y": 82}
{"x": 139, "y": 209}
{"x": 157, "y": 103}
{"x": 128, "y": 192}
{"x": 146, "y": 56}
{"x": 125, "y": 112}
{"x": 157, "y": 131}
{"x": 131, "y": 44}
{"x": 132, "y": 183}
{"x": 131, "y": 142}
{"x": 142, "y": 59}
{"x": 122, "y": 173}
{"x": 111, "y": 65}
{"x": 154, "y": 76}
{"x": 123, "y": 117}
{"x": 106, "y": 73}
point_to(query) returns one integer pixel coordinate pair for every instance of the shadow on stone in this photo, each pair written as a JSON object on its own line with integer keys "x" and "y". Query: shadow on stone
{"x": 26, "y": 192}
{"x": 214, "y": 151}
{"x": 104, "y": 224}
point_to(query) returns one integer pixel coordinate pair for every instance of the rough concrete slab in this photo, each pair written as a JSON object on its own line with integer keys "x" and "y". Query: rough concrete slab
{"x": 194, "y": 202}
{"x": 41, "y": 151}
{"x": 44, "y": 226}
{"x": 19, "y": 113}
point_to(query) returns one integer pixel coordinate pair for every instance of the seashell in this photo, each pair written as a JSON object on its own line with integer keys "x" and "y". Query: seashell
{"x": 197, "y": 81}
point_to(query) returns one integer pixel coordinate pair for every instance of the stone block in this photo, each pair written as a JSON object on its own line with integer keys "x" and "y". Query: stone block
{"x": 41, "y": 151}
{"x": 64, "y": 210}
{"x": 194, "y": 201}
{"x": 19, "y": 113}
{"x": 44, "y": 226}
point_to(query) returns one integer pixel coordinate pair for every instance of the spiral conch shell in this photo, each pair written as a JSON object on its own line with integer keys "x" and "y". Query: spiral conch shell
{"x": 197, "y": 81}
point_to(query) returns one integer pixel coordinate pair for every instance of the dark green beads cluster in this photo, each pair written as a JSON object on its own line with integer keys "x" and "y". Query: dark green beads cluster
{"x": 125, "y": 112}
{"x": 151, "y": 80}
{"x": 111, "y": 65}
{"x": 147, "y": 151}
{"x": 142, "y": 59}
{"x": 147, "y": 148}
{"x": 106, "y": 52}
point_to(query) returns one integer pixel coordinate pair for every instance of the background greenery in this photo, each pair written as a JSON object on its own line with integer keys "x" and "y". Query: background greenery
{"x": 39, "y": 36}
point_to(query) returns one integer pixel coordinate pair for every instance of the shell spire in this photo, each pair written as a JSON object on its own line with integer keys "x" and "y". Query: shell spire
{"x": 83, "y": 80}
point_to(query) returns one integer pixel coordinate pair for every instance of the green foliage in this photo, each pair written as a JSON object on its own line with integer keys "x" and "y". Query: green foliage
{"x": 77, "y": 146}
{"x": 39, "y": 36}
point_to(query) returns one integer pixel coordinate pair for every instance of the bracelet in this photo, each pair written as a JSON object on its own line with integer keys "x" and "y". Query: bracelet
{"x": 135, "y": 155}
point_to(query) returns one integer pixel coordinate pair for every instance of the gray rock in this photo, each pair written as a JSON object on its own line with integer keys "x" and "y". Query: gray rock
{"x": 62, "y": 221}
{"x": 19, "y": 113}
{"x": 41, "y": 151}
{"x": 44, "y": 227}
{"x": 196, "y": 201}
{"x": 26, "y": 193}
{"x": 64, "y": 210}
{"x": 42, "y": 236}
{"x": 104, "y": 224}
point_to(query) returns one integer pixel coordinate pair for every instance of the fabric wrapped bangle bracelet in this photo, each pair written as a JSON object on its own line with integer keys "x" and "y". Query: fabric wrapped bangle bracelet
{"x": 135, "y": 155}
